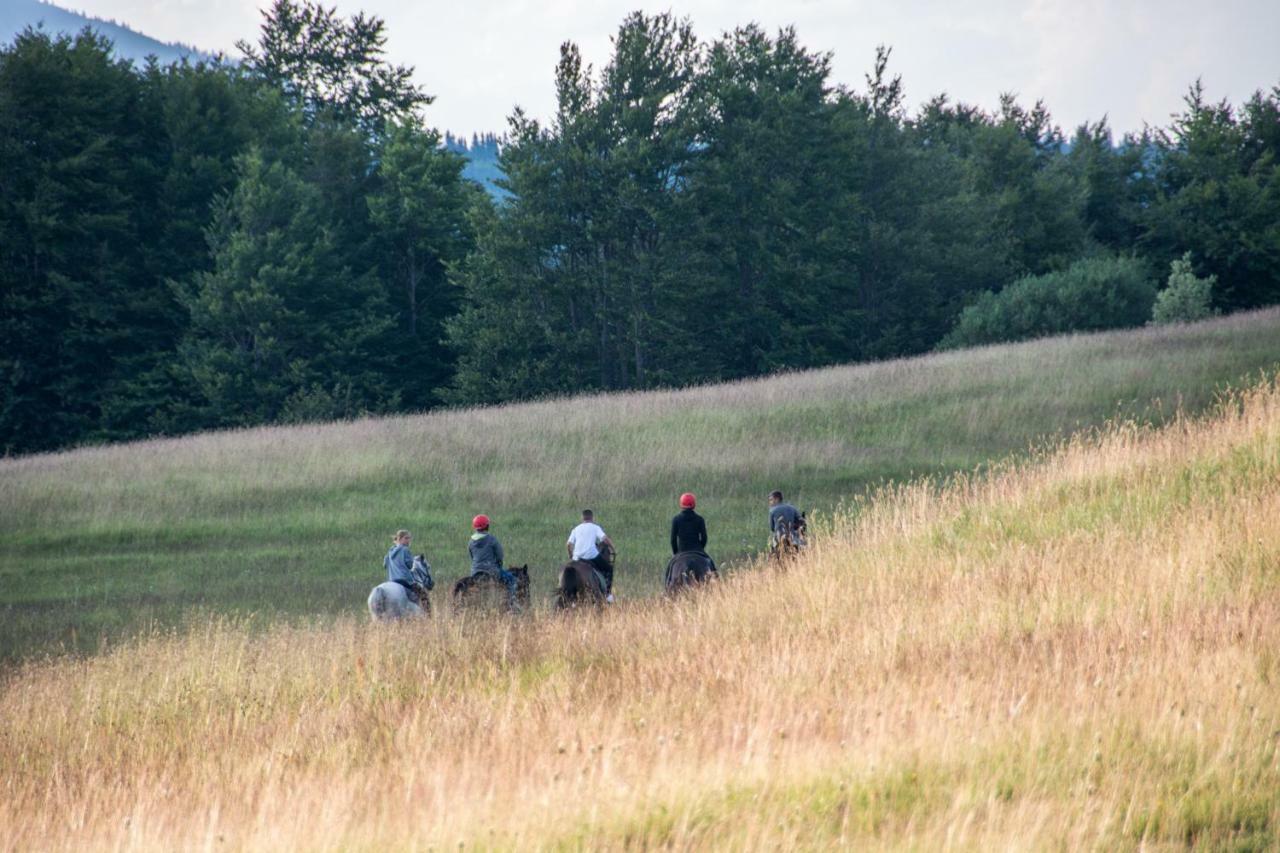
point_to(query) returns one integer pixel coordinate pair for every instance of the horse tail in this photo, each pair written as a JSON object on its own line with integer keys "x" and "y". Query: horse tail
{"x": 377, "y": 603}
{"x": 568, "y": 590}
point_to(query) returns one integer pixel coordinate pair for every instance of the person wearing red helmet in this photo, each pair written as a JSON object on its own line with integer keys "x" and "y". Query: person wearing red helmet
{"x": 688, "y": 530}
{"x": 486, "y": 557}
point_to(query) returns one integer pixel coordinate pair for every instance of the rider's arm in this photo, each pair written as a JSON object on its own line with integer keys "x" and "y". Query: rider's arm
{"x": 674, "y": 548}
{"x": 497, "y": 550}
{"x": 702, "y": 535}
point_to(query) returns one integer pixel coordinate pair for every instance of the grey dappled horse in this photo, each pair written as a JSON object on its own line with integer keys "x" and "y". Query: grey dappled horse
{"x": 390, "y": 600}
{"x": 787, "y": 540}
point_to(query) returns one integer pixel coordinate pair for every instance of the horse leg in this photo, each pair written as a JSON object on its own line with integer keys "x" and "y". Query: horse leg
{"x": 562, "y": 594}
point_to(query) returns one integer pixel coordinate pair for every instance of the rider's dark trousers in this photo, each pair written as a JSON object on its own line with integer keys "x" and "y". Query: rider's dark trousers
{"x": 605, "y": 568}
{"x": 505, "y": 577}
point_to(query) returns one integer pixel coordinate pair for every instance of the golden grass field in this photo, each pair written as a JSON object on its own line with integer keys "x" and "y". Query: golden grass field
{"x": 1075, "y": 650}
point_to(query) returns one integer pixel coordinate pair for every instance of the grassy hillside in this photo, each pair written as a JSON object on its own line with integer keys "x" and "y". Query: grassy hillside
{"x": 102, "y": 541}
{"x": 1076, "y": 652}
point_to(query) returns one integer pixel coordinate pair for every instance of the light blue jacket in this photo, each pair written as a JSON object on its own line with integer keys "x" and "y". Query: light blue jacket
{"x": 399, "y": 563}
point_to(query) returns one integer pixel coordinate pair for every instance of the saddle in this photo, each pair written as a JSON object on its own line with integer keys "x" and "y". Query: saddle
{"x": 411, "y": 592}
{"x": 587, "y": 565}
{"x": 708, "y": 565}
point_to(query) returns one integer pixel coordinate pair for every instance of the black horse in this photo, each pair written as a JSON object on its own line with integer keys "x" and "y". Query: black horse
{"x": 687, "y": 569}
{"x": 482, "y": 591}
{"x": 579, "y": 583}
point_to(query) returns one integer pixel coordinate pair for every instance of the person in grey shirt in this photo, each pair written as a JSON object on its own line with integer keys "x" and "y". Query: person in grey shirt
{"x": 486, "y": 557}
{"x": 781, "y": 513}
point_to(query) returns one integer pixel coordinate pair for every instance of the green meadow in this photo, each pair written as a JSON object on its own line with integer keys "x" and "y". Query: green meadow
{"x": 101, "y": 543}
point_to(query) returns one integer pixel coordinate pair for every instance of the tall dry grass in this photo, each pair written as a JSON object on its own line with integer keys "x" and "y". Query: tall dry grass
{"x": 1075, "y": 651}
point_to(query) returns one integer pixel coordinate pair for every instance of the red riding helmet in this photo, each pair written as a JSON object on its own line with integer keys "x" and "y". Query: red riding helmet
{"x": 480, "y": 522}
{"x": 688, "y": 501}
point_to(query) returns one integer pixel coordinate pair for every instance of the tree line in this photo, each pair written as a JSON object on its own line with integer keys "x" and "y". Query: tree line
{"x": 285, "y": 239}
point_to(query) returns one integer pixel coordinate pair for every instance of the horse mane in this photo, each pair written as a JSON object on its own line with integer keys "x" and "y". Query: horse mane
{"x": 422, "y": 572}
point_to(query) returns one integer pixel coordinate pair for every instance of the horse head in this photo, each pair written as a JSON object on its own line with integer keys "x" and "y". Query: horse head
{"x": 522, "y": 583}
{"x": 422, "y": 572}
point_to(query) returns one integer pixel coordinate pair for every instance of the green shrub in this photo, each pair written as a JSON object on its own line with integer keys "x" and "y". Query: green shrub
{"x": 316, "y": 404}
{"x": 1186, "y": 298}
{"x": 1092, "y": 294}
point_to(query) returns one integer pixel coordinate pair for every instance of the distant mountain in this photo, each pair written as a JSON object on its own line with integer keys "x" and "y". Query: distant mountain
{"x": 482, "y": 159}
{"x": 17, "y": 15}
{"x": 481, "y": 151}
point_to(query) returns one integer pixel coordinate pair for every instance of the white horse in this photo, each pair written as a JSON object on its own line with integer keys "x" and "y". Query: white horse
{"x": 390, "y": 600}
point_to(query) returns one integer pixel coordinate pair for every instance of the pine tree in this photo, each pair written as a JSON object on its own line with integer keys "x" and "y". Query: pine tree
{"x": 1186, "y": 298}
{"x": 1217, "y": 177}
{"x": 419, "y": 213}
{"x": 765, "y": 214}
{"x": 330, "y": 67}
{"x": 280, "y": 327}
{"x": 74, "y": 293}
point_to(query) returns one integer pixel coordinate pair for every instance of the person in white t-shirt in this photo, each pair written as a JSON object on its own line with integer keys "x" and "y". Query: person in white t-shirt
{"x": 588, "y": 543}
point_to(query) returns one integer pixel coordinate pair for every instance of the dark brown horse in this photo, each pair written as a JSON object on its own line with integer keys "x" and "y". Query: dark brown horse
{"x": 687, "y": 569}
{"x": 482, "y": 591}
{"x": 580, "y": 583}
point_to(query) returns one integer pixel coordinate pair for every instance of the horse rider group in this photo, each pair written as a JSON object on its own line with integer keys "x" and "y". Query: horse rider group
{"x": 587, "y": 542}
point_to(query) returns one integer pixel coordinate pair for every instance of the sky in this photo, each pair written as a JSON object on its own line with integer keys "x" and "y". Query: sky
{"x": 1130, "y": 60}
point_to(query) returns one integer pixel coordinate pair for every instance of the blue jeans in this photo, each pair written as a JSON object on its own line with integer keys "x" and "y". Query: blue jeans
{"x": 508, "y": 580}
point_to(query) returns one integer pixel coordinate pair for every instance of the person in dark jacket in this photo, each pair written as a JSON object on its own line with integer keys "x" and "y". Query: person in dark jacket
{"x": 688, "y": 530}
{"x": 486, "y": 557}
